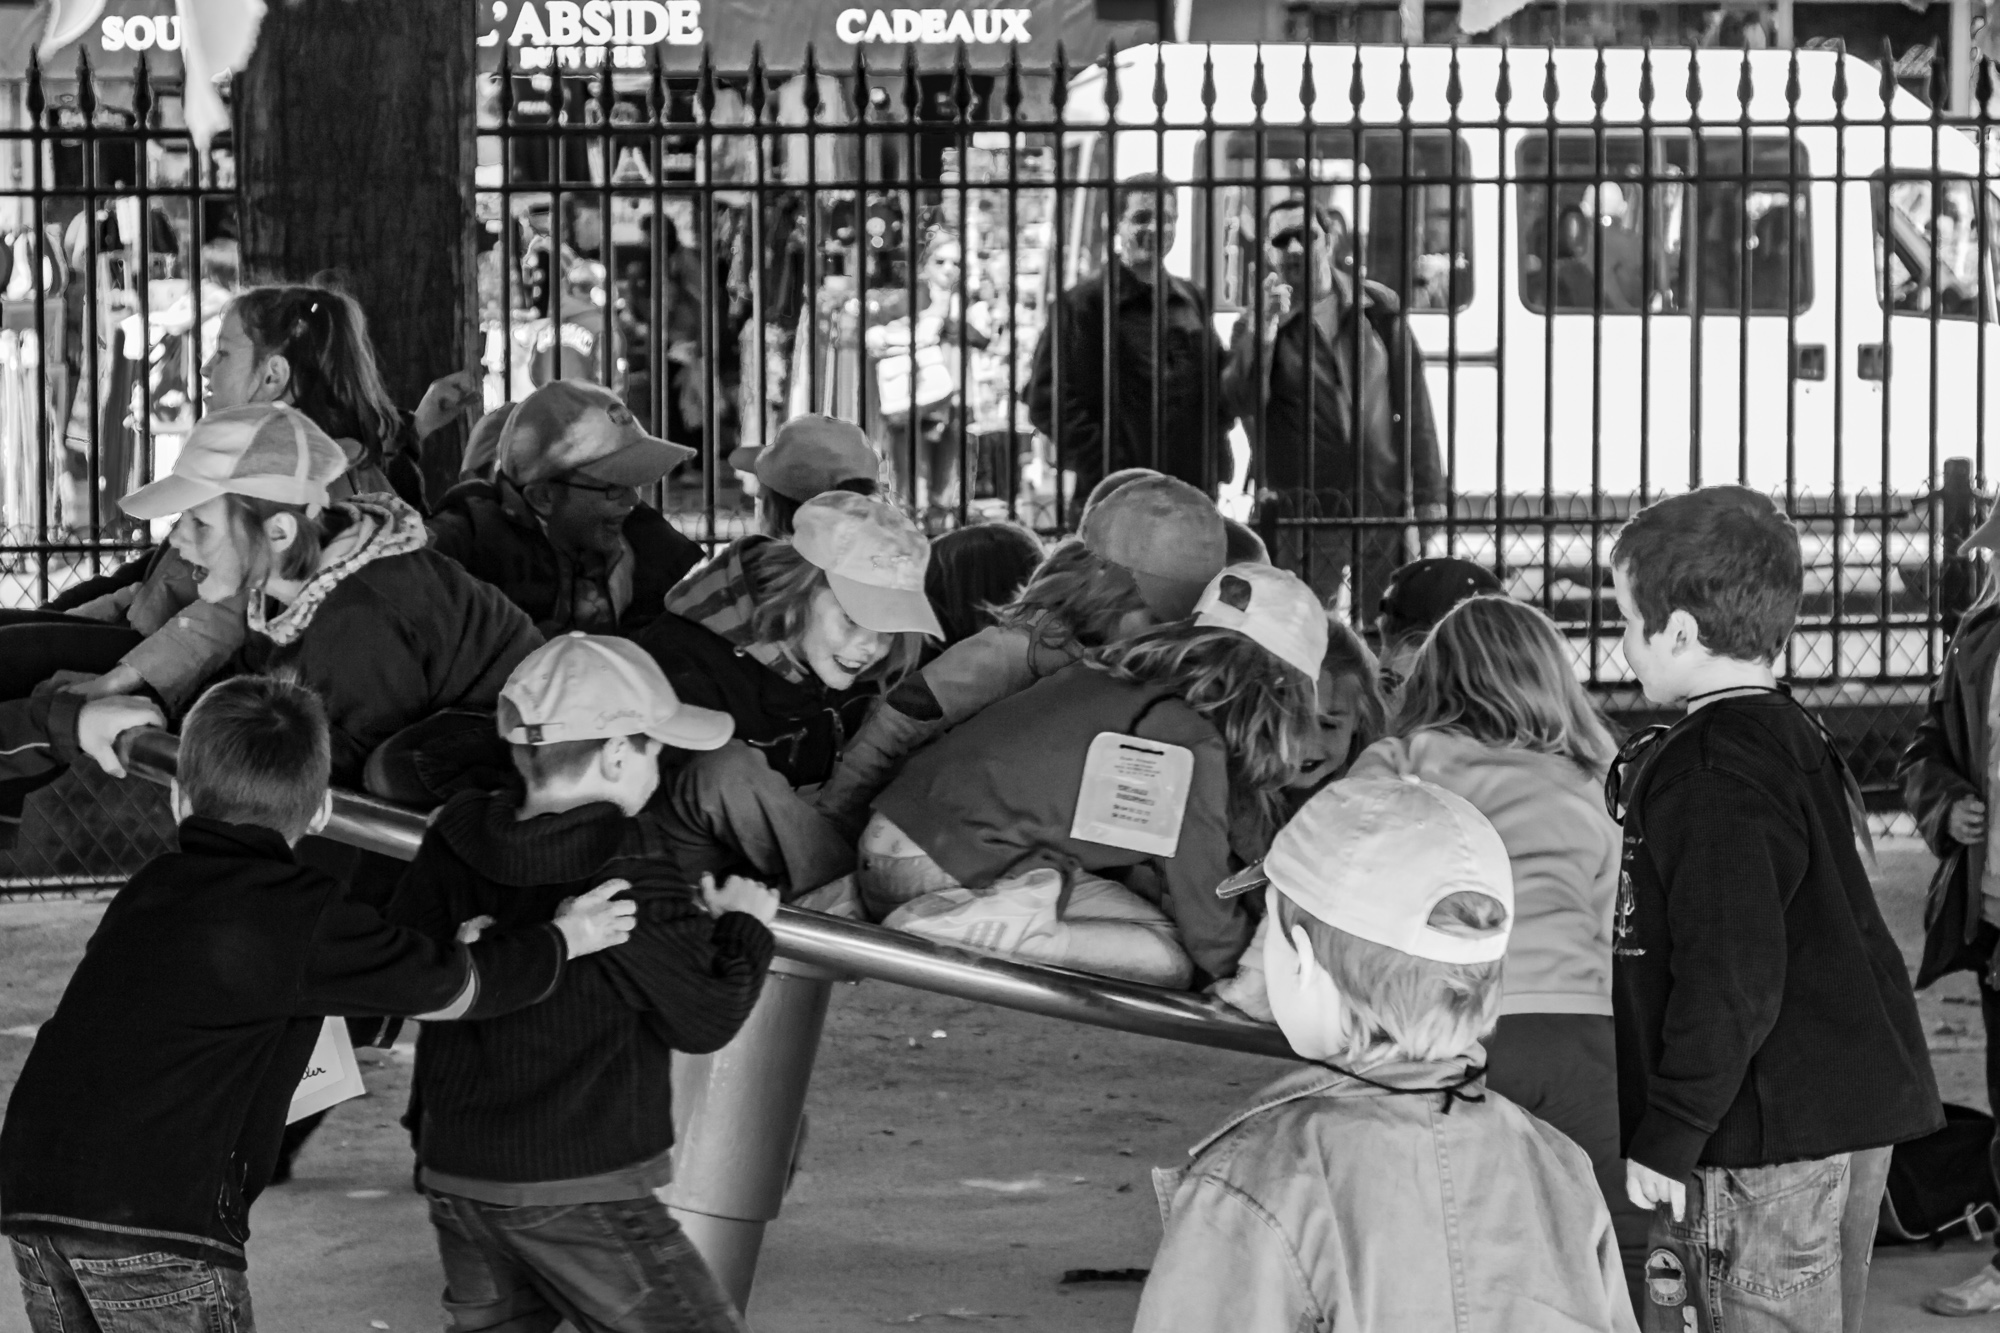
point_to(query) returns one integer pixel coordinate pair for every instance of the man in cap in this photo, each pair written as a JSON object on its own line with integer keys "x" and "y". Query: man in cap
{"x": 560, "y": 528}
{"x": 810, "y": 455}
{"x": 1162, "y": 533}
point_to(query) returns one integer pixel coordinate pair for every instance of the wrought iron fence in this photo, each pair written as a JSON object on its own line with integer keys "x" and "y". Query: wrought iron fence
{"x": 1583, "y": 278}
{"x": 117, "y": 255}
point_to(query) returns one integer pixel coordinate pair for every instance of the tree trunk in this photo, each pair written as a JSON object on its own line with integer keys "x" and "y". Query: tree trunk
{"x": 357, "y": 151}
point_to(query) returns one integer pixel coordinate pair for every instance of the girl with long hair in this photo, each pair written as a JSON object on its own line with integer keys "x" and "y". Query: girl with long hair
{"x": 1006, "y": 801}
{"x": 1493, "y": 711}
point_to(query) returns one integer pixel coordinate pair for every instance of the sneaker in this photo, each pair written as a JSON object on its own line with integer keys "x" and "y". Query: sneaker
{"x": 1978, "y": 1294}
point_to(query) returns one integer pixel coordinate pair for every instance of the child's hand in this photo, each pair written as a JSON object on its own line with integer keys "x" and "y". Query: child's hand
{"x": 1649, "y": 1189}
{"x": 470, "y": 930}
{"x": 739, "y": 895}
{"x": 101, "y": 722}
{"x": 1967, "y": 820}
{"x": 593, "y": 921}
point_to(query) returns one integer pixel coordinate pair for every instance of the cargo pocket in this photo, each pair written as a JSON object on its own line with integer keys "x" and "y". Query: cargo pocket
{"x": 1778, "y": 1225}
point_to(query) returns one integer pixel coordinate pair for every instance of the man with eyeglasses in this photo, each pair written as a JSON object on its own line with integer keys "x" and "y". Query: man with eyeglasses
{"x": 1355, "y": 367}
{"x": 1180, "y": 376}
{"x": 560, "y": 528}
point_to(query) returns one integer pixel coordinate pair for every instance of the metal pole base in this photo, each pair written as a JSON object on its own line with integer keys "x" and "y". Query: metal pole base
{"x": 739, "y": 1110}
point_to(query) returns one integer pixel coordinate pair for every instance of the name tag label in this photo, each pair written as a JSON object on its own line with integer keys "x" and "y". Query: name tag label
{"x": 1134, "y": 794}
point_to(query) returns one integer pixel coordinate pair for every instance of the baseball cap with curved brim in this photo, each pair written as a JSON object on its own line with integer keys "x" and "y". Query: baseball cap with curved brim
{"x": 1375, "y": 856}
{"x": 570, "y": 426}
{"x": 1167, "y": 533}
{"x": 811, "y": 454}
{"x": 268, "y": 451}
{"x": 874, "y": 559}
{"x": 586, "y": 687}
{"x": 1273, "y": 609}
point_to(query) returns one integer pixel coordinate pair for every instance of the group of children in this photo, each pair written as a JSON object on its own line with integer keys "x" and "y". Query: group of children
{"x": 1558, "y": 1074}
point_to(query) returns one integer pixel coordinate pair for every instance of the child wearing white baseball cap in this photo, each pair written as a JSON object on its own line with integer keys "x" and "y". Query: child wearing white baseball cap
{"x": 1218, "y": 714}
{"x": 1382, "y": 1186}
{"x": 570, "y": 1111}
{"x": 796, "y": 642}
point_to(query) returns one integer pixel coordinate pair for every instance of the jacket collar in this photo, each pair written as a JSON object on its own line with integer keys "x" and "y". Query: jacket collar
{"x": 481, "y": 830}
{"x": 202, "y": 836}
{"x": 1321, "y": 1081}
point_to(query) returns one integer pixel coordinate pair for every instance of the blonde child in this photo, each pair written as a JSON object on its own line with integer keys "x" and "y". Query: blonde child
{"x": 1492, "y": 711}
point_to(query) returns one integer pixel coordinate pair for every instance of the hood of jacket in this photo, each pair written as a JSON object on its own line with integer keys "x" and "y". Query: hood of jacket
{"x": 377, "y": 526}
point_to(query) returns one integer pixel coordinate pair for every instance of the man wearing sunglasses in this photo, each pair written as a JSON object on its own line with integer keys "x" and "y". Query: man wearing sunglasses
{"x": 1352, "y": 368}
{"x": 561, "y": 529}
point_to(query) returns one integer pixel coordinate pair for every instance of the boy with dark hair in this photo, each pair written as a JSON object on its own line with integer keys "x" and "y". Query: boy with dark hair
{"x": 544, "y": 1139}
{"x": 1769, "y": 1047}
{"x": 148, "y": 1116}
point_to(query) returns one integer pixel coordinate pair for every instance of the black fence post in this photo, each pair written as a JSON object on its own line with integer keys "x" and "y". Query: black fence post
{"x": 1958, "y": 575}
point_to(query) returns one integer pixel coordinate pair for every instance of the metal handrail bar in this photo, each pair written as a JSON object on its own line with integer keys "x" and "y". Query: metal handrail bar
{"x": 852, "y": 948}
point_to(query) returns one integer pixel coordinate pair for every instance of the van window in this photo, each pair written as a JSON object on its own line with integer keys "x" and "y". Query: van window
{"x": 1401, "y": 190}
{"x": 1935, "y": 263}
{"x": 1711, "y": 238}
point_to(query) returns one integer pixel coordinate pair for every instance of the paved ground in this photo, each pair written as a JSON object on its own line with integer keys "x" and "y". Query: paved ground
{"x": 963, "y": 1159}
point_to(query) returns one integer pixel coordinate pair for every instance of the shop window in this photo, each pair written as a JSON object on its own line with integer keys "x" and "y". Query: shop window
{"x": 1936, "y": 249}
{"x": 1415, "y": 225}
{"x": 1712, "y": 237}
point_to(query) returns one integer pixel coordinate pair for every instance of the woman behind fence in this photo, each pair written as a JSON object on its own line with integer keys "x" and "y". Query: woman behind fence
{"x": 917, "y": 375}
{"x": 1131, "y": 763}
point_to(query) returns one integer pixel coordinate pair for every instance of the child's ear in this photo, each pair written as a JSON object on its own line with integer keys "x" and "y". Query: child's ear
{"x": 611, "y": 758}
{"x": 1302, "y": 951}
{"x": 325, "y": 815}
{"x": 176, "y": 801}
{"x": 1686, "y": 633}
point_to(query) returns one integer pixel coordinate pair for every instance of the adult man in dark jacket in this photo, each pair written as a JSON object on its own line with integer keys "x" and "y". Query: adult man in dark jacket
{"x": 1189, "y": 438}
{"x": 1346, "y": 359}
{"x": 560, "y": 528}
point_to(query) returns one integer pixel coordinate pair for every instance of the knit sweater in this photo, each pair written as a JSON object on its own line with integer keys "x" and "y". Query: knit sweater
{"x": 581, "y": 1086}
{"x": 1563, "y": 848}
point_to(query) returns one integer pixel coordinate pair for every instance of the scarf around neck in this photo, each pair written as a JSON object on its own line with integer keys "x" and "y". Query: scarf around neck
{"x": 379, "y": 526}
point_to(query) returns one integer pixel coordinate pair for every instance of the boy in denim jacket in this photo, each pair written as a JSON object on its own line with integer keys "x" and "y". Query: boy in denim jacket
{"x": 1769, "y": 1050}
{"x": 1382, "y": 1186}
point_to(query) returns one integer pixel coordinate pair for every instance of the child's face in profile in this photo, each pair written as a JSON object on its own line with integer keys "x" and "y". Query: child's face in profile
{"x": 1661, "y": 661}
{"x": 1339, "y": 712}
{"x": 638, "y": 776}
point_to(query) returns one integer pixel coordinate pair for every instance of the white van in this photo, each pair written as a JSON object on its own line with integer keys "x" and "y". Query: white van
{"x": 1742, "y": 327}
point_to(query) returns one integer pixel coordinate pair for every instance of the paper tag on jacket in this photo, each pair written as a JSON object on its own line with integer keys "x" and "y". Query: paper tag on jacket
{"x": 332, "y": 1076}
{"x": 1133, "y": 795}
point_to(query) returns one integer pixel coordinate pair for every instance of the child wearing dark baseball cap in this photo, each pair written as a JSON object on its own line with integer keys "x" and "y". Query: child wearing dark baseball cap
{"x": 810, "y": 455}
{"x": 1383, "y": 1187}
{"x": 544, "y": 1144}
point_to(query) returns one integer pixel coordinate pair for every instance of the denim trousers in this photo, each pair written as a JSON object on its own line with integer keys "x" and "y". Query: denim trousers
{"x": 73, "y": 1284}
{"x": 622, "y": 1267}
{"x": 1768, "y": 1249}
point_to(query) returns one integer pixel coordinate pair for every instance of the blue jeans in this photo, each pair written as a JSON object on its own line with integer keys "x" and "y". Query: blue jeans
{"x": 1768, "y": 1249}
{"x": 76, "y": 1285}
{"x": 606, "y": 1267}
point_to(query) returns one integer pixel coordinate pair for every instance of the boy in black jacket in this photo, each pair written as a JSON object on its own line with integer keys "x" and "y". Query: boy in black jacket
{"x": 1769, "y": 1048}
{"x": 544, "y": 1138}
{"x": 148, "y": 1115}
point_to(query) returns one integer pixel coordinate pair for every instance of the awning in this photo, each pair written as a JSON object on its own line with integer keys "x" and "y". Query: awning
{"x": 123, "y": 32}
{"x": 579, "y": 37}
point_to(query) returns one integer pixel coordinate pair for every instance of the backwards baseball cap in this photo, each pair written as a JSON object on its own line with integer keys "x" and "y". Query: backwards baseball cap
{"x": 1422, "y": 591}
{"x": 809, "y": 455}
{"x": 569, "y": 425}
{"x": 585, "y": 687}
{"x": 268, "y": 451}
{"x": 1168, "y": 534}
{"x": 874, "y": 559}
{"x": 1375, "y": 856}
{"x": 482, "y": 446}
{"x": 1271, "y": 608}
